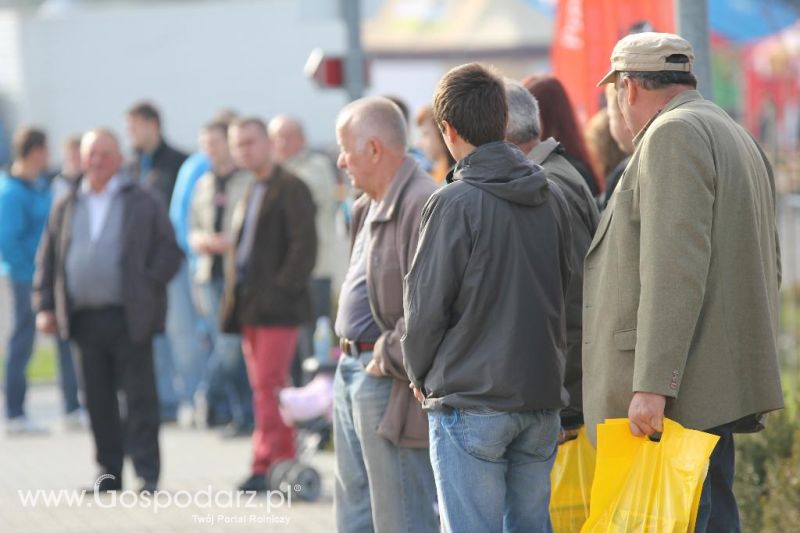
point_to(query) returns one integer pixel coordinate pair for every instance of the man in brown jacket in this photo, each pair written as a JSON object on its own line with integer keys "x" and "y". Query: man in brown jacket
{"x": 267, "y": 277}
{"x": 384, "y": 480}
{"x": 681, "y": 280}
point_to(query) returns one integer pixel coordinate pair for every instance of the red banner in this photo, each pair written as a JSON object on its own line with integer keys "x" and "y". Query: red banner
{"x": 586, "y": 32}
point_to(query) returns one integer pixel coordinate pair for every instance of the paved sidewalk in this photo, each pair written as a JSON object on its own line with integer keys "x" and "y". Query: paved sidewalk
{"x": 199, "y": 472}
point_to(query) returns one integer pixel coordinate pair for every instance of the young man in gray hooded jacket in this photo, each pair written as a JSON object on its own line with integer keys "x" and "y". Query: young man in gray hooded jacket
{"x": 485, "y": 320}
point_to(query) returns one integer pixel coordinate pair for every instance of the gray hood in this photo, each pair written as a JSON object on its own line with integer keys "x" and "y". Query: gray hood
{"x": 502, "y": 170}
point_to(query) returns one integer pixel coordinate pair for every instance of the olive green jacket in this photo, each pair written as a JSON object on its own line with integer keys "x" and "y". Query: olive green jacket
{"x": 681, "y": 280}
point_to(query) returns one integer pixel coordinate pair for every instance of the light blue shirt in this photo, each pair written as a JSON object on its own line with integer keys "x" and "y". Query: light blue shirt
{"x": 180, "y": 206}
{"x": 98, "y": 203}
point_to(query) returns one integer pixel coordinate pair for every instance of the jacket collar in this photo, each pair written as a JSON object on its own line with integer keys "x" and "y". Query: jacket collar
{"x": 678, "y": 100}
{"x": 160, "y": 149}
{"x": 542, "y": 151}
{"x": 386, "y": 207}
{"x": 298, "y": 158}
{"x": 118, "y": 182}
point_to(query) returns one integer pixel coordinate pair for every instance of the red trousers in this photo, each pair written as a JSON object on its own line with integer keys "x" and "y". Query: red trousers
{"x": 268, "y": 353}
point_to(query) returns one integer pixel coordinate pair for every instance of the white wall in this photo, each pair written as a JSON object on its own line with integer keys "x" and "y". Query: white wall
{"x": 414, "y": 80}
{"x": 10, "y": 63}
{"x": 85, "y": 68}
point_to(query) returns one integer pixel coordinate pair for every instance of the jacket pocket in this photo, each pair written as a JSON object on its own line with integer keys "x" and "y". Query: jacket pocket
{"x": 625, "y": 339}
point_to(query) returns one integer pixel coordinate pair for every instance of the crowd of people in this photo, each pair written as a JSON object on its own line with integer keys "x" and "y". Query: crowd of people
{"x": 509, "y": 280}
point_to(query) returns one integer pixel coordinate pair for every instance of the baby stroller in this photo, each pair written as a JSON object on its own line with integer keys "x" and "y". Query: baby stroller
{"x": 310, "y": 410}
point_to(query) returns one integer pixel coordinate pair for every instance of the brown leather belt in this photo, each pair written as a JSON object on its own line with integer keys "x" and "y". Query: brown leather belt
{"x": 353, "y": 348}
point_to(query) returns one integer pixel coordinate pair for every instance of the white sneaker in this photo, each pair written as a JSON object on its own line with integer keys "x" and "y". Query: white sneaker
{"x": 76, "y": 420}
{"x": 185, "y": 416}
{"x": 22, "y": 425}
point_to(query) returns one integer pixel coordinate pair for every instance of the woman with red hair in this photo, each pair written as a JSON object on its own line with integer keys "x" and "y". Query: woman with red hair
{"x": 557, "y": 120}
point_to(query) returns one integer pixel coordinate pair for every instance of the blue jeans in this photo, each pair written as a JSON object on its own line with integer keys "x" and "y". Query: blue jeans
{"x": 718, "y": 511}
{"x": 493, "y": 468}
{"x": 20, "y": 347}
{"x": 179, "y": 355}
{"x": 224, "y": 380}
{"x": 164, "y": 365}
{"x": 67, "y": 376}
{"x": 379, "y": 486}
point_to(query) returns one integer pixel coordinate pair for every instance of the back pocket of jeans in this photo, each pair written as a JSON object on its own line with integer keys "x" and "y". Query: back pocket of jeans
{"x": 486, "y": 434}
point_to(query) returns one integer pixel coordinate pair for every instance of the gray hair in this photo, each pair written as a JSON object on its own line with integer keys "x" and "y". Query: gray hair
{"x": 523, "y": 114}
{"x": 96, "y": 133}
{"x": 653, "y": 81}
{"x": 376, "y": 117}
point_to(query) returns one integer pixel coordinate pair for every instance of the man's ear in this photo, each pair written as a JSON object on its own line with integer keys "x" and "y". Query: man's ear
{"x": 631, "y": 90}
{"x": 449, "y": 132}
{"x": 374, "y": 149}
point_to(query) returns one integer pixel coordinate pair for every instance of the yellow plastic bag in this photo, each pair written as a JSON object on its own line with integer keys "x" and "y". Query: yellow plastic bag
{"x": 571, "y": 484}
{"x": 645, "y": 486}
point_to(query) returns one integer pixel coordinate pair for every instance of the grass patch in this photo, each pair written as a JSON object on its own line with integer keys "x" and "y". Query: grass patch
{"x": 43, "y": 366}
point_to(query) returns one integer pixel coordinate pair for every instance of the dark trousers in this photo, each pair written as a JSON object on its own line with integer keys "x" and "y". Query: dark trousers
{"x": 718, "y": 512}
{"x": 321, "y": 306}
{"x": 112, "y": 362}
{"x": 67, "y": 376}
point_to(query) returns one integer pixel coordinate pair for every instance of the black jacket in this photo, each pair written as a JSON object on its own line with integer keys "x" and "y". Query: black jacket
{"x": 163, "y": 172}
{"x": 484, "y": 300}
{"x": 150, "y": 258}
{"x": 276, "y": 289}
{"x": 584, "y": 219}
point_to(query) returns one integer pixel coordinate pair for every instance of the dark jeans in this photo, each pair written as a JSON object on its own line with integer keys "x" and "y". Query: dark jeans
{"x": 718, "y": 512}
{"x": 67, "y": 376}
{"x": 20, "y": 348}
{"x": 112, "y": 362}
{"x": 321, "y": 306}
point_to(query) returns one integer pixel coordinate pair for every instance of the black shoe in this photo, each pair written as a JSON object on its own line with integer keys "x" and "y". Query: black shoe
{"x": 148, "y": 487}
{"x": 255, "y": 483}
{"x": 235, "y": 430}
{"x": 106, "y": 483}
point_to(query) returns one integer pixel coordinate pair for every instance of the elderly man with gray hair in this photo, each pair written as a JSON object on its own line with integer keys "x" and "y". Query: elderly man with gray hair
{"x": 102, "y": 270}
{"x": 384, "y": 480}
{"x": 523, "y": 130}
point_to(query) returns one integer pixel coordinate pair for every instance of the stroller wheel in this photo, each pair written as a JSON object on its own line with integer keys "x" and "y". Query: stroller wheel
{"x": 307, "y": 480}
{"x": 279, "y": 475}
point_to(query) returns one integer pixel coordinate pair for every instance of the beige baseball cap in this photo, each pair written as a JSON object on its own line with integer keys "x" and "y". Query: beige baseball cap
{"x": 648, "y": 52}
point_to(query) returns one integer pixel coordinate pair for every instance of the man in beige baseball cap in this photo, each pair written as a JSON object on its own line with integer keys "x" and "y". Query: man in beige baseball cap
{"x": 693, "y": 216}
{"x": 649, "y": 52}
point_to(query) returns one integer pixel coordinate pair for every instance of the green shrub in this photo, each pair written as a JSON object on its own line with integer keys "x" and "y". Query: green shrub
{"x": 782, "y": 509}
{"x": 766, "y": 465}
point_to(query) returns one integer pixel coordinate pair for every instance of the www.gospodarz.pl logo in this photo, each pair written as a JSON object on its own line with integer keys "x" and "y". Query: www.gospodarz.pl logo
{"x": 206, "y": 498}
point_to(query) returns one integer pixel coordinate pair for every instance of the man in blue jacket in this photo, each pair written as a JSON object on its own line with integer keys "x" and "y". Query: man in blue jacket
{"x": 24, "y": 206}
